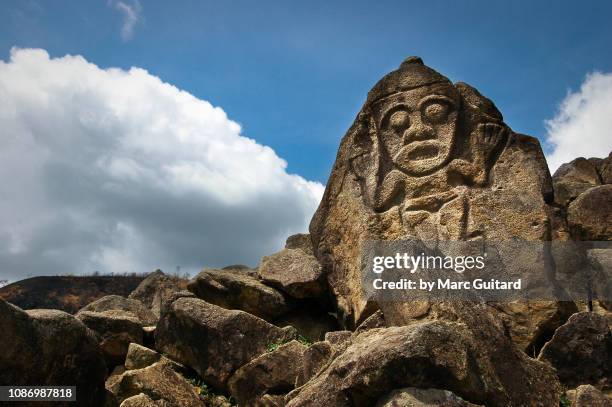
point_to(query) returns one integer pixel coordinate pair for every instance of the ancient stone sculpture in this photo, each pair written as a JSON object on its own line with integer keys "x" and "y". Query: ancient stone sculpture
{"x": 430, "y": 160}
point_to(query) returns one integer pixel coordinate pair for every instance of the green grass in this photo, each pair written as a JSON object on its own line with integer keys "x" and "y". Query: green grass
{"x": 564, "y": 401}
{"x": 275, "y": 345}
{"x": 205, "y": 391}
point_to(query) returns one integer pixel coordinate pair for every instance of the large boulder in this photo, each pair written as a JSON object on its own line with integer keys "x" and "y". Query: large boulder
{"x": 155, "y": 290}
{"x": 581, "y": 351}
{"x": 429, "y": 354}
{"x": 115, "y": 331}
{"x": 212, "y": 340}
{"x": 235, "y": 289}
{"x": 376, "y": 320}
{"x": 130, "y": 305}
{"x": 588, "y": 396}
{"x": 531, "y": 323}
{"x": 605, "y": 169}
{"x": 413, "y": 397}
{"x": 430, "y": 160}
{"x": 590, "y": 215}
{"x": 315, "y": 358}
{"x": 50, "y": 348}
{"x": 274, "y": 371}
{"x": 300, "y": 241}
{"x": 295, "y": 272}
{"x": 139, "y": 357}
{"x": 573, "y": 178}
{"x": 158, "y": 382}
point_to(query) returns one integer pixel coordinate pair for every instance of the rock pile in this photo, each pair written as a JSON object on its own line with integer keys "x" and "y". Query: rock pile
{"x": 425, "y": 159}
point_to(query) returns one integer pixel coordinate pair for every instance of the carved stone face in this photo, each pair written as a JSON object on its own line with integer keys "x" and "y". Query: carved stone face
{"x": 417, "y": 127}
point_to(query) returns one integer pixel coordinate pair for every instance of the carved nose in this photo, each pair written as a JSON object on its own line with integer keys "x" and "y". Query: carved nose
{"x": 418, "y": 131}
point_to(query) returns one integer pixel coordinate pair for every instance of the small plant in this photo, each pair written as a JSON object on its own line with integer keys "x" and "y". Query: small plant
{"x": 304, "y": 340}
{"x": 564, "y": 401}
{"x": 275, "y": 345}
{"x": 206, "y": 393}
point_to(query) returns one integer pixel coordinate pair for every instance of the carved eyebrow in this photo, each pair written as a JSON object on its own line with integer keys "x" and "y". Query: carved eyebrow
{"x": 430, "y": 98}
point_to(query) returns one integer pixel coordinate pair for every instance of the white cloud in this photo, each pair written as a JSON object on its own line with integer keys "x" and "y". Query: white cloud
{"x": 583, "y": 125}
{"x": 113, "y": 170}
{"x": 131, "y": 11}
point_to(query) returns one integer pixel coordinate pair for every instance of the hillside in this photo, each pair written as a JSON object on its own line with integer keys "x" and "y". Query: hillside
{"x": 67, "y": 293}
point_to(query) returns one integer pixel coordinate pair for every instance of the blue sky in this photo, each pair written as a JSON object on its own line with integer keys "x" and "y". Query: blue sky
{"x": 109, "y": 168}
{"x": 294, "y": 74}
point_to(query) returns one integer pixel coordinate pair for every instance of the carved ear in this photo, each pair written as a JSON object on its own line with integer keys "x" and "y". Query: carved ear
{"x": 364, "y": 157}
{"x": 477, "y": 102}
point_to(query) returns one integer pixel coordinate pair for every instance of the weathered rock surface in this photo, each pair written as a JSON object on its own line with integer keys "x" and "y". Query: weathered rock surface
{"x": 115, "y": 376}
{"x": 130, "y": 305}
{"x": 315, "y": 358}
{"x": 155, "y": 290}
{"x": 140, "y": 400}
{"x": 590, "y": 215}
{"x": 212, "y": 340}
{"x": 428, "y": 355}
{"x": 115, "y": 331}
{"x": 269, "y": 400}
{"x": 274, "y": 372}
{"x": 235, "y": 289}
{"x": 581, "y": 351}
{"x": 573, "y": 178}
{"x": 139, "y": 357}
{"x": 376, "y": 320}
{"x": 430, "y": 160}
{"x": 605, "y": 169}
{"x": 413, "y": 397}
{"x": 295, "y": 272}
{"x": 310, "y": 321}
{"x": 601, "y": 263}
{"x": 531, "y": 323}
{"x": 50, "y": 348}
{"x": 588, "y": 396}
{"x": 300, "y": 241}
{"x": 158, "y": 382}
{"x": 338, "y": 338}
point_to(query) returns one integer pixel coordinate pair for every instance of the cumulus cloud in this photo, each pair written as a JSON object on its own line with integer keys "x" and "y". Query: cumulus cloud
{"x": 114, "y": 170}
{"x": 131, "y": 11}
{"x": 583, "y": 124}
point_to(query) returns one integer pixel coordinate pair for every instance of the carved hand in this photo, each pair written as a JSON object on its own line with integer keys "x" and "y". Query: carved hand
{"x": 488, "y": 136}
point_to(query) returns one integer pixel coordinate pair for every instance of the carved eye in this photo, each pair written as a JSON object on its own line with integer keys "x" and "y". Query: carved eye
{"x": 436, "y": 112}
{"x": 399, "y": 120}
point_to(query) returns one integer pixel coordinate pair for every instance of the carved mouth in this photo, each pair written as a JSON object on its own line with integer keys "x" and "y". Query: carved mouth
{"x": 422, "y": 150}
{"x": 420, "y": 157}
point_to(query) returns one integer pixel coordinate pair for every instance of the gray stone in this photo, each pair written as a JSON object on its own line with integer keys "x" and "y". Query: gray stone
{"x": 590, "y": 215}
{"x": 115, "y": 331}
{"x": 274, "y": 371}
{"x": 430, "y": 354}
{"x": 158, "y": 382}
{"x": 413, "y": 397}
{"x": 117, "y": 302}
{"x": 155, "y": 290}
{"x": 212, "y": 340}
{"x": 295, "y": 272}
{"x": 581, "y": 351}
{"x": 573, "y": 178}
{"x": 428, "y": 160}
{"x": 300, "y": 241}
{"x": 50, "y": 348}
{"x": 235, "y": 289}
{"x": 588, "y": 396}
